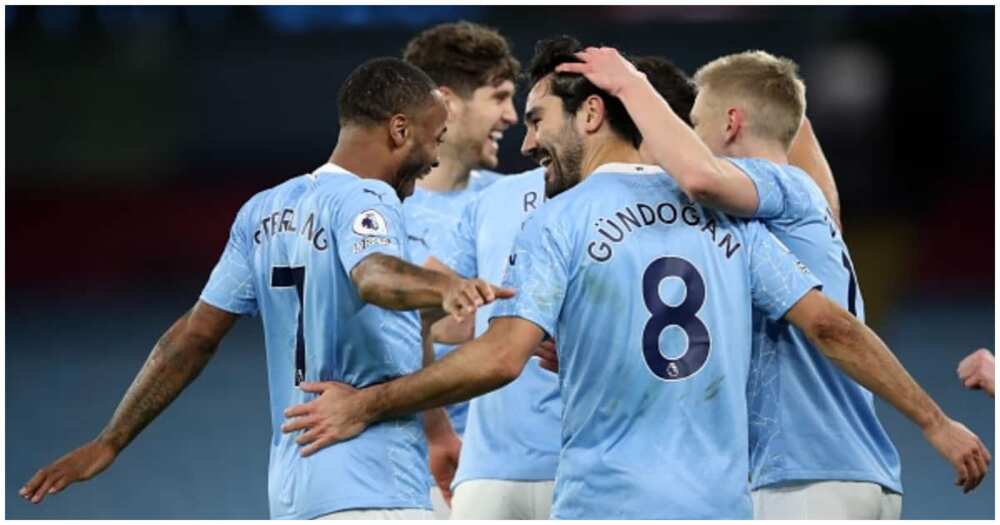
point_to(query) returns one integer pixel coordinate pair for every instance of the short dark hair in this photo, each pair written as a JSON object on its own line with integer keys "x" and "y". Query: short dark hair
{"x": 670, "y": 82}
{"x": 573, "y": 89}
{"x": 381, "y": 88}
{"x": 463, "y": 56}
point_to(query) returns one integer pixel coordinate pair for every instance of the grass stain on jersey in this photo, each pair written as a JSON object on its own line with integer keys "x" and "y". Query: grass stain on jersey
{"x": 598, "y": 288}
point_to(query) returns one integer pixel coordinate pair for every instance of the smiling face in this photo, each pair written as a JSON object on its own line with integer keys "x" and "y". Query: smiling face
{"x": 427, "y": 132}
{"x": 478, "y": 123}
{"x": 552, "y": 139}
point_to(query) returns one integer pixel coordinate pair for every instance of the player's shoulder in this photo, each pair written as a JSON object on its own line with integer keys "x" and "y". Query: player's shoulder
{"x": 352, "y": 188}
{"x": 268, "y": 196}
{"x": 516, "y": 182}
{"x": 785, "y": 174}
{"x": 481, "y": 179}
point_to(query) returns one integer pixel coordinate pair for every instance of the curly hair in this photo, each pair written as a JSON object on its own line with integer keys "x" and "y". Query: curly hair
{"x": 381, "y": 88}
{"x": 463, "y": 56}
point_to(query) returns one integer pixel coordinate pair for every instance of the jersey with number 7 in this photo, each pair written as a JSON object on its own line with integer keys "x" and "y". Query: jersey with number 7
{"x": 289, "y": 256}
{"x": 650, "y": 299}
{"x": 808, "y": 420}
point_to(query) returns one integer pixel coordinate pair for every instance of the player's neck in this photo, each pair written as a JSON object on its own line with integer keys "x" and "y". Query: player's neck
{"x": 771, "y": 151}
{"x": 606, "y": 152}
{"x": 449, "y": 175}
{"x": 357, "y": 152}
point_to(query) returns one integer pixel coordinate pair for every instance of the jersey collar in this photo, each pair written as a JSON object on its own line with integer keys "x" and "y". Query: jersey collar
{"x": 331, "y": 168}
{"x": 625, "y": 167}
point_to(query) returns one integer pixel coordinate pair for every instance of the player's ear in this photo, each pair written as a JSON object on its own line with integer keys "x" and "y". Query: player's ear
{"x": 592, "y": 113}
{"x": 735, "y": 121}
{"x": 399, "y": 130}
{"x": 452, "y": 102}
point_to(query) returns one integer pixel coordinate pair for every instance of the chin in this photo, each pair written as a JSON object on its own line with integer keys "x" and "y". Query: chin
{"x": 489, "y": 161}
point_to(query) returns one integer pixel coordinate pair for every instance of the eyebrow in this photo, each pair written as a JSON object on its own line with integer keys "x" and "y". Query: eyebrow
{"x": 533, "y": 113}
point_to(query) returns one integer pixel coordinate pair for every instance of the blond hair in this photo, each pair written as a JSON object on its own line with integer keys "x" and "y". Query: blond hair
{"x": 770, "y": 86}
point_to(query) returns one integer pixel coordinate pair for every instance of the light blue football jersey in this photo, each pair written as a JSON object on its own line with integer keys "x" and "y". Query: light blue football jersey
{"x": 808, "y": 420}
{"x": 511, "y": 433}
{"x": 289, "y": 255}
{"x": 430, "y": 216}
{"x": 649, "y": 298}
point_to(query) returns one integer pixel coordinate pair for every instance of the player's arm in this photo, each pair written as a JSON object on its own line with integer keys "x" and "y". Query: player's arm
{"x": 862, "y": 355}
{"x": 443, "y": 444}
{"x": 478, "y": 367}
{"x": 390, "y": 282}
{"x": 447, "y": 329}
{"x": 674, "y": 146}
{"x": 806, "y": 153}
{"x": 178, "y": 357}
{"x": 451, "y": 331}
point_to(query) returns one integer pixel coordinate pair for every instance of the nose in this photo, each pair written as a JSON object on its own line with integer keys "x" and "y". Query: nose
{"x": 529, "y": 145}
{"x": 509, "y": 113}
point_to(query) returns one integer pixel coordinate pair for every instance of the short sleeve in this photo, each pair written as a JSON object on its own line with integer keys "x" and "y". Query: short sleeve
{"x": 779, "y": 195}
{"x": 538, "y": 271}
{"x": 777, "y": 278}
{"x": 369, "y": 220}
{"x": 230, "y": 287}
{"x": 460, "y": 242}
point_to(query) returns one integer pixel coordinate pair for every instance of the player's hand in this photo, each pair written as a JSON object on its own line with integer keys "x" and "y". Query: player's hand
{"x": 79, "y": 465}
{"x": 547, "y": 358}
{"x": 464, "y": 296}
{"x": 977, "y": 371}
{"x": 335, "y": 416}
{"x": 966, "y": 453}
{"x": 443, "y": 450}
{"x": 605, "y": 68}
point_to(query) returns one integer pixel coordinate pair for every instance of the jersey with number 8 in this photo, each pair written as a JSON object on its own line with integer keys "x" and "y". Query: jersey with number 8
{"x": 289, "y": 256}
{"x": 649, "y": 298}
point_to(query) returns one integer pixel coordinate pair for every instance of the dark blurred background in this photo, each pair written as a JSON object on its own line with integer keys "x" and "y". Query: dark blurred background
{"x": 135, "y": 133}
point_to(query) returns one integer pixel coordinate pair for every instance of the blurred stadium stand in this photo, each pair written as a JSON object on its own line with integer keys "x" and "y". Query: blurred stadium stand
{"x": 135, "y": 133}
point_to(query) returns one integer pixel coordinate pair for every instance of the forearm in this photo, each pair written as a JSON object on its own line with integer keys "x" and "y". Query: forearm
{"x": 436, "y": 422}
{"x": 806, "y": 153}
{"x": 175, "y": 361}
{"x": 470, "y": 371}
{"x": 670, "y": 142}
{"x": 862, "y": 355}
{"x": 390, "y": 282}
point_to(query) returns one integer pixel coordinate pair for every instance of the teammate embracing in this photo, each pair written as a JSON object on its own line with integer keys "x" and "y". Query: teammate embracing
{"x": 817, "y": 448}
{"x": 649, "y": 297}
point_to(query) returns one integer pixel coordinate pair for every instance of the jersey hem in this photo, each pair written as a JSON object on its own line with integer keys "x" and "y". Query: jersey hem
{"x": 798, "y": 476}
{"x": 340, "y": 505}
{"x": 502, "y": 477}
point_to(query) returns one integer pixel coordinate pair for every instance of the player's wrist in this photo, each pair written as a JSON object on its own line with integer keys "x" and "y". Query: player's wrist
{"x": 436, "y": 425}
{"x": 933, "y": 421}
{"x": 370, "y": 404}
{"x": 109, "y": 442}
{"x": 633, "y": 85}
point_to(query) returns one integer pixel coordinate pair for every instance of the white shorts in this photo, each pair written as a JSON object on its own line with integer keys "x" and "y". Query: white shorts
{"x": 498, "y": 499}
{"x": 441, "y": 509}
{"x": 827, "y": 500}
{"x": 379, "y": 514}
